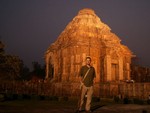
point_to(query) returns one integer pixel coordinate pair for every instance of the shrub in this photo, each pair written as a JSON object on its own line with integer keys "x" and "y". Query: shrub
{"x": 148, "y": 101}
{"x": 8, "y": 97}
{"x": 126, "y": 100}
{"x": 15, "y": 96}
{"x": 2, "y": 97}
{"x": 53, "y": 98}
{"x": 65, "y": 98}
{"x": 138, "y": 101}
{"x": 95, "y": 99}
{"x": 42, "y": 97}
{"x": 144, "y": 111}
{"x": 116, "y": 99}
{"x": 26, "y": 96}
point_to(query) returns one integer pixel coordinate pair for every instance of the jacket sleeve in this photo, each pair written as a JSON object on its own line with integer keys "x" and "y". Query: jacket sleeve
{"x": 94, "y": 74}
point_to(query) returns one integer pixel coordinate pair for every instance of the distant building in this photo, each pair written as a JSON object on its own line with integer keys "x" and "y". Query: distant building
{"x": 87, "y": 35}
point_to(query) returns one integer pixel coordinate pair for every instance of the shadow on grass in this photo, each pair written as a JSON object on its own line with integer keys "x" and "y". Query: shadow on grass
{"x": 93, "y": 108}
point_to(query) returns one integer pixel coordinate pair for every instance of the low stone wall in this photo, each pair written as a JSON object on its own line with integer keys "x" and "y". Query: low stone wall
{"x": 140, "y": 74}
{"x": 131, "y": 90}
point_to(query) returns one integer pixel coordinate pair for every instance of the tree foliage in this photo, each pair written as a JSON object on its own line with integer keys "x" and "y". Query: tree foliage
{"x": 38, "y": 70}
{"x": 10, "y": 66}
{"x": 25, "y": 73}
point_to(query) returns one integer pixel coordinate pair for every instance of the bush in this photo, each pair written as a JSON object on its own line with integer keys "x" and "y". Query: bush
{"x": 15, "y": 96}
{"x": 8, "y": 97}
{"x": 144, "y": 111}
{"x": 2, "y": 97}
{"x": 95, "y": 99}
{"x": 26, "y": 96}
{"x": 116, "y": 99}
{"x": 148, "y": 101}
{"x": 65, "y": 98}
{"x": 53, "y": 98}
{"x": 138, "y": 101}
{"x": 126, "y": 100}
{"x": 42, "y": 97}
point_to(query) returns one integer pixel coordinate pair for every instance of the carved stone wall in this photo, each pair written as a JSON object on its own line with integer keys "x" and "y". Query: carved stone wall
{"x": 87, "y": 35}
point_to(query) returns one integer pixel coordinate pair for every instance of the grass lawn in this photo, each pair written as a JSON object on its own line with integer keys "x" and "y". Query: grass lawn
{"x": 42, "y": 106}
{"x": 33, "y": 106}
{"x": 53, "y": 106}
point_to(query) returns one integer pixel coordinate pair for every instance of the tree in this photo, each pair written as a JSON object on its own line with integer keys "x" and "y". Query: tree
{"x": 25, "y": 73}
{"x": 10, "y": 66}
{"x": 38, "y": 70}
{"x": 2, "y": 48}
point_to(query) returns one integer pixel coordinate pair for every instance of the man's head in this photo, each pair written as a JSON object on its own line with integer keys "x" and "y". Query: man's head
{"x": 88, "y": 60}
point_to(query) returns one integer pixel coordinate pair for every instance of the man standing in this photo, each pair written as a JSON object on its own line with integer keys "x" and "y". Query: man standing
{"x": 87, "y": 75}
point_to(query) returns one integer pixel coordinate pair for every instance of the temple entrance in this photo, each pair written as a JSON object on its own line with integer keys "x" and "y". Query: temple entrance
{"x": 114, "y": 72}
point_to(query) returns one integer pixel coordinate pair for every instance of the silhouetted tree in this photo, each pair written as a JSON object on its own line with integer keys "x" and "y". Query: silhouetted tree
{"x": 10, "y": 66}
{"x": 38, "y": 70}
{"x": 2, "y": 48}
{"x": 25, "y": 73}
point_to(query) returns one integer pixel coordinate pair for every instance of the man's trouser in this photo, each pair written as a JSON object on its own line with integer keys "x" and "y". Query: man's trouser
{"x": 89, "y": 91}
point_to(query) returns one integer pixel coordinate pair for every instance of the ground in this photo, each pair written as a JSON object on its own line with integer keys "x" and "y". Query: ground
{"x": 46, "y": 106}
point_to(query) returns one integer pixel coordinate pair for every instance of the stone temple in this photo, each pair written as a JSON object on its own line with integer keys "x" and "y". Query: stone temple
{"x": 87, "y": 35}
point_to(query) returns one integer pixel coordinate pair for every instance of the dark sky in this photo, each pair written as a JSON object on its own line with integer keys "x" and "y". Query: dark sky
{"x": 28, "y": 27}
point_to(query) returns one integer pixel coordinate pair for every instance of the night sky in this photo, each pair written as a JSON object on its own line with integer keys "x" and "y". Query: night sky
{"x": 28, "y": 27}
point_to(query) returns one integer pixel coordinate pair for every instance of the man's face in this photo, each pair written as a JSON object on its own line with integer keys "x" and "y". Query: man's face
{"x": 88, "y": 61}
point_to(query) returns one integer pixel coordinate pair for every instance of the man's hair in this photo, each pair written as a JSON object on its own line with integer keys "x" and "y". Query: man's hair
{"x": 88, "y": 57}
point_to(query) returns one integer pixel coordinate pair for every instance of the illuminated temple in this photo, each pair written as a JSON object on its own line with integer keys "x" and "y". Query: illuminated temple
{"x": 87, "y": 35}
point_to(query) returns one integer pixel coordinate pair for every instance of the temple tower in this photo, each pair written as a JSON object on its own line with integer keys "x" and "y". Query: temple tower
{"x": 87, "y": 35}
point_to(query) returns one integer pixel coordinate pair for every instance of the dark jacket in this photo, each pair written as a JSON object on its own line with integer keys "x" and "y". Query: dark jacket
{"x": 88, "y": 81}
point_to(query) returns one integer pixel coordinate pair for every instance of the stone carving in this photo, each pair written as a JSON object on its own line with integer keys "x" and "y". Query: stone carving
{"x": 87, "y": 35}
